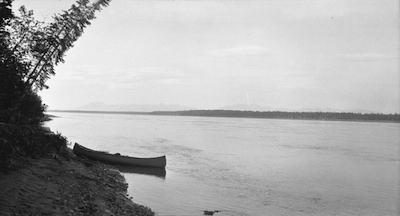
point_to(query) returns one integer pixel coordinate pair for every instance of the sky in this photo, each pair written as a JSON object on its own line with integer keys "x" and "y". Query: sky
{"x": 322, "y": 55}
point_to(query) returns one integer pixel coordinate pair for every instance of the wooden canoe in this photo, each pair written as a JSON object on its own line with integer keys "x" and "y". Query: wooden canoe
{"x": 119, "y": 159}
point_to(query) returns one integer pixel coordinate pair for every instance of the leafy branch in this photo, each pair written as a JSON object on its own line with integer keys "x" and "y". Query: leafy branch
{"x": 42, "y": 46}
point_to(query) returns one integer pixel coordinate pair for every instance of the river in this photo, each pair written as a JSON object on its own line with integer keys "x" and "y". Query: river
{"x": 254, "y": 167}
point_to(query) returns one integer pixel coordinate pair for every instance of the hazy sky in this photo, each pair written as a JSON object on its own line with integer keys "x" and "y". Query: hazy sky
{"x": 293, "y": 54}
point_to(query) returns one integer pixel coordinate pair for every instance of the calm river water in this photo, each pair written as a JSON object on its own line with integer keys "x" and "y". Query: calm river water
{"x": 251, "y": 166}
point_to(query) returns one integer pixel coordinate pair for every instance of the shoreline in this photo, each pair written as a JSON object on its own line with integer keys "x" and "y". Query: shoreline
{"x": 246, "y": 114}
{"x": 57, "y": 185}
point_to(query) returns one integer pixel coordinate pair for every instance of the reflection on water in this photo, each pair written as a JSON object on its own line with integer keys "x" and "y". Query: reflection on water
{"x": 251, "y": 166}
{"x": 151, "y": 171}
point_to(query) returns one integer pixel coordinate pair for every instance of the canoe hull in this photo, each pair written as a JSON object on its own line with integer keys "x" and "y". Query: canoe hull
{"x": 119, "y": 159}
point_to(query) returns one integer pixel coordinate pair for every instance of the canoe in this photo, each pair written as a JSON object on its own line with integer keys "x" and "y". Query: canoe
{"x": 119, "y": 159}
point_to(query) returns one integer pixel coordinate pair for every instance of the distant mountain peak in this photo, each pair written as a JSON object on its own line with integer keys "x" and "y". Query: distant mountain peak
{"x": 101, "y": 106}
{"x": 248, "y": 107}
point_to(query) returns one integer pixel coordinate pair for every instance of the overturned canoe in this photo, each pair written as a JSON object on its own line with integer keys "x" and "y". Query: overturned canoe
{"x": 119, "y": 159}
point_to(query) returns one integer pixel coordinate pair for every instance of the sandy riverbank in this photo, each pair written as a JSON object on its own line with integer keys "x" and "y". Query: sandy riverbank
{"x": 65, "y": 186}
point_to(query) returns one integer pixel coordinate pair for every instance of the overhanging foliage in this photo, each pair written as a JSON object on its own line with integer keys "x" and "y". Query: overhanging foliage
{"x": 41, "y": 46}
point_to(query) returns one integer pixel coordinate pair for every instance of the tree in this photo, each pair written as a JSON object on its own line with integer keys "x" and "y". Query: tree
{"x": 25, "y": 34}
{"x": 29, "y": 50}
{"x": 12, "y": 88}
{"x": 43, "y": 46}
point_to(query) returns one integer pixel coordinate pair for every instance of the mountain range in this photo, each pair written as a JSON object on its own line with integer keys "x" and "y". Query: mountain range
{"x": 100, "y": 106}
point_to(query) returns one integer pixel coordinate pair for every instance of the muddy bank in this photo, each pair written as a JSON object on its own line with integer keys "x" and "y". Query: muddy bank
{"x": 65, "y": 186}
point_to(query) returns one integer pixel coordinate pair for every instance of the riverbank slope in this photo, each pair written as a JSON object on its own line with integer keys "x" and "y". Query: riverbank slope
{"x": 57, "y": 185}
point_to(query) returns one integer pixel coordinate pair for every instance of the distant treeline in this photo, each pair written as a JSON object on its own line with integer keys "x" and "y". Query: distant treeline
{"x": 330, "y": 116}
{"x": 340, "y": 116}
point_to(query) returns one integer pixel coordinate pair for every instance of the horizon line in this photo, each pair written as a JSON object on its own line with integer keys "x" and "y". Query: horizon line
{"x": 255, "y": 111}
